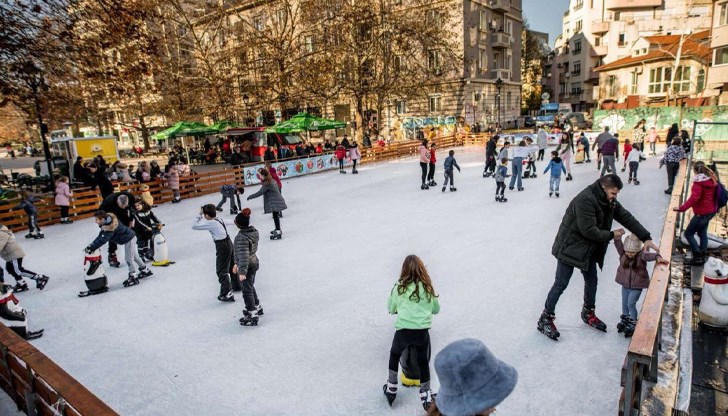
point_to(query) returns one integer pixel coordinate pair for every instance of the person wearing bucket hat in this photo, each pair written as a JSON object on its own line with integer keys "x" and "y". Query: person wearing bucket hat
{"x": 632, "y": 274}
{"x": 472, "y": 380}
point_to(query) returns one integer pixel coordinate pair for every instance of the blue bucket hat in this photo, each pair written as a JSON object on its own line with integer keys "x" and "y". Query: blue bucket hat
{"x": 471, "y": 378}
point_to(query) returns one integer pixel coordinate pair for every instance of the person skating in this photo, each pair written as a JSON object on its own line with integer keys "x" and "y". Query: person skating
{"x": 27, "y": 204}
{"x": 414, "y": 301}
{"x": 520, "y": 152}
{"x": 112, "y": 231}
{"x": 490, "y": 156}
{"x": 542, "y": 140}
{"x": 632, "y": 275}
{"x": 246, "y": 266}
{"x": 355, "y": 155}
{"x": 13, "y": 316}
{"x": 609, "y": 154}
{"x": 501, "y": 174}
{"x": 145, "y": 224}
{"x": 565, "y": 152}
{"x": 598, "y": 143}
{"x": 340, "y": 154}
{"x": 424, "y": 162}
{"x": 13, "y": 254}
{"x": 626, "y": 150}
{"x": 232, "y": 193}
{"x": 206, "y": 220}
{"x": 503, "y": 153}
{"x": 704, "y": 204}
{"x": 433, "y": 161}
{"x": 582, "y": 241}
{"x": 652, "y": 138}
{"x": 273, "y": 202}
{"x": 633, "y": 161}
{"x": 584, "y": 141}
{"x": 449, "y": 163}
{"x": 121, "y": 204}
{"x": 530, "y": 171}
{"x": 671, "y": 160}
{"x": 556, "y": 166}
{"x": 98, "y": 173}
{"x": 63, "y": 193}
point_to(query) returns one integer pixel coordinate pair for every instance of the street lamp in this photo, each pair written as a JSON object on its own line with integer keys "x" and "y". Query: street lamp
{"x": 498, "y": 86}
{"x": 246, "y": 100}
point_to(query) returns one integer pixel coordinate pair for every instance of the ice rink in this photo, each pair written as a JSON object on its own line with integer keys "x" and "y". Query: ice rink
{"x": 167, "y": 346}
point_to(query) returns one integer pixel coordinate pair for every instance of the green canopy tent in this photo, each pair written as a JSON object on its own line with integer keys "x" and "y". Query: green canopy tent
{"x": 179, "y": 129}
{"x": 305, "y": 122}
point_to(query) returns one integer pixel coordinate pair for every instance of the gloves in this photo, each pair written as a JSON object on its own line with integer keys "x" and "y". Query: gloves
{"x": 88, "y": 250}
{"x": 249, "y": 198}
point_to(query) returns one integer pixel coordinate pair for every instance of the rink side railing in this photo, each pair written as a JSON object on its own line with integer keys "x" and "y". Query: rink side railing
{"x": 86, "y": 201}
{"x": 641, "y": 363}
{"x": 38, "y": 386}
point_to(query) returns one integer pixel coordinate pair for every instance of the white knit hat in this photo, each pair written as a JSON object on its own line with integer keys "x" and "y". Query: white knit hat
{"x": 632, "y": 243}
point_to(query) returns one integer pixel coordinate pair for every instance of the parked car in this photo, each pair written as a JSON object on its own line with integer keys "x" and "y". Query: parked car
{"x": 526, "y": 121}
{"x": 579, "y": 120}
{"x": 254, "y": 141}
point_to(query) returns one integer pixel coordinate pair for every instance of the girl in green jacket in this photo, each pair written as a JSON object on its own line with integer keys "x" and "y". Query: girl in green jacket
{"x": 414, "y": 301}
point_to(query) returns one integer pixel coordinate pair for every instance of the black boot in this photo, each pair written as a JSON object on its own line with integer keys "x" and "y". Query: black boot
{"x": 590, "y": 318}
{"x": 623, "y": 321}
{"x": 547, "y": 327}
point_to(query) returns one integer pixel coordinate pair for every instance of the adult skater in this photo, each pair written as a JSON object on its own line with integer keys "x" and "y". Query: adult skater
{"x": 207, "y": 220}
{"x": 106, "y": 188}
{"x": 246, "y": 266}
{"x": 598, "y": 143}
{"x": 113, "y": 231}
{"x": 671, "y": 159}
{"x": 520, "y": 152}
{"x": 582, "y": 241}
{"x": 424, "y": 162}
{"x": 610, "y": 154}
{"x": 121, "y": 205}
{"x": 542, "y": 141}
{"x": 490, "y": 156}
{"x": 273, "y": 202}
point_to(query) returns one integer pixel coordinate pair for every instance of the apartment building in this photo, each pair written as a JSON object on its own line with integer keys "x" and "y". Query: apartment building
{"x": 717, "y": 87}
{"x": 598, "y": 32}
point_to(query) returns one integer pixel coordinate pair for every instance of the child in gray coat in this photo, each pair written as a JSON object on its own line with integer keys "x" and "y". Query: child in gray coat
{"x": 273, "y": 202}
{"x": 501, "y": 173}
{"x": 449, "y": 163}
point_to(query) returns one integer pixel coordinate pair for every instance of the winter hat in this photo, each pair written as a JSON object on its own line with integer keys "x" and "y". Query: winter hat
{"x": 242, "y": 220}
{"x": 144, "y": 188}
{"x": 632, "y": 243}
{"x": 472, "y": 379}
{"x": 121, "y": 165}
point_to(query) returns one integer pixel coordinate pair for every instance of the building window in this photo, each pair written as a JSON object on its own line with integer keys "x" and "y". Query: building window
{"x": 509, "y": 62}
{"x": 577, "y": 47}
{"x": 434, "y": 103}
{"x": 508, "y": 99}
{"x": 616, "y": 16}
{"x": 397, "y": 63}
{"x": 482, "y": 60}
{"x": 509, "y": 27}
{"x": 721, "y": 56}
{"x": 401, "y": 106}
{"x": 483, "y": 24}
{"x": 633, "y": 84}
{"x": 682, "y": 79}
{"x": 433, "y": 18}
{"x": 597, "y": 40}
{"x": 562, "y": 88}
{"x": 433, "y": 60}
{"x": 259, "y": 23}
{"x": 579, "y": 4}
{"x": 612, "y": 85}
{"x": 579, "y": 25}
{"x": 576, "y": 68}
{"x": 701, "y": 81}
{"x": 622, "y": 39}
{"x": 723, "y": 16}
{"x": 309, "y": 44}
{"x": 659, "y": 80}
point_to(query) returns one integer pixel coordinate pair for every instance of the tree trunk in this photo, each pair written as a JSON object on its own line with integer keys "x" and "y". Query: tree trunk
{"x": 145, "y": 132}
{"x": 358, "y": 118}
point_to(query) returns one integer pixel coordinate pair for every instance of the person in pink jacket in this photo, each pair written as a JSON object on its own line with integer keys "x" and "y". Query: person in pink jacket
{"x": 63, "y": 193}
{"x": 652, "y": 138}
{"x": 355, "y": 155}
{"x": 424, "y": 162}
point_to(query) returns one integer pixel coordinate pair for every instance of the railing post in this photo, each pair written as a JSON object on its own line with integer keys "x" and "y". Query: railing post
{"x": 30, "y": 394}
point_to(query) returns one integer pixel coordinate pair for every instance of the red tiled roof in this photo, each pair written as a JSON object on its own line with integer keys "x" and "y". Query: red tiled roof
{"x": 694, "y": 46}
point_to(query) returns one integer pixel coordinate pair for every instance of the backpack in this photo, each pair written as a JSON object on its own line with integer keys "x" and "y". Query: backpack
{"x": 721, "y": 195}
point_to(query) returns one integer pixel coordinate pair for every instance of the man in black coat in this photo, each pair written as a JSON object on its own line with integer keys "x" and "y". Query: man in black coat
{"x": 582, "y": 241}
{"x": 490, "y": 154}
{"x": 105, "y": 186}
{"x": 120, "y": 204}
{"x": 236, "y": 158}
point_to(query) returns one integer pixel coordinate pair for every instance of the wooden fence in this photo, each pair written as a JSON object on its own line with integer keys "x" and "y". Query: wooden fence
{"x": 39, "y": 386}
{"x": 641, "y": 361}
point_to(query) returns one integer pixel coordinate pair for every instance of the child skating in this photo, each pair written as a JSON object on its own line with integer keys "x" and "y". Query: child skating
{"x": 633, "y": 160}
{"x": 633, "y": 276}
{"x": 13, "y": 254}
{"x": 449, "y": 163}
{"x": 246, "y": 266}
{"x": 556, "y": 165}
{"x": 414, "y": 301}
{"x": 273, "y": 202}
{"x": 207, "y": 220}
{"x": 232, "y": 193}
{"x": 145, "y": 224}
{"x": 501, "y": 173}
{"x": 62, "y": 200}
{"x": 626, "y": 152}
{"x": 27, "y": 203}
{"x": 433, "y": 161}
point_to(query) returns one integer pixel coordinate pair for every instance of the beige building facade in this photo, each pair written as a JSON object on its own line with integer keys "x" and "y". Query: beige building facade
{"x": 718, "y": 74}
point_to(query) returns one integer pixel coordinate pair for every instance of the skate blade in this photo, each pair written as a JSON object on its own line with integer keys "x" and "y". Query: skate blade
{"x": 553, "y": 337}
{"x": 29, "y": 336}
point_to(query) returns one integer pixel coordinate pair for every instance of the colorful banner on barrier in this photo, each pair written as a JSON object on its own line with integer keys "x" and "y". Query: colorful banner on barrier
{"x": 296, "y": 167}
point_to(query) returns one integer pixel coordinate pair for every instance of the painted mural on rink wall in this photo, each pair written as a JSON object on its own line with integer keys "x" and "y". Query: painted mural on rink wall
{"x": 663, "y": 117}
{"x": 295, "y": 167}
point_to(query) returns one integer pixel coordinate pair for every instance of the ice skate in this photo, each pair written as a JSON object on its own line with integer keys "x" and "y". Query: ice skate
{"x": 629, "y": 328}
{"x": 568, "y": 177}
{"x": 423, "y": 187}
{"x": 636, "y": 182}
{"x": 145, "y": 272}
{"x": 486, "y": 174}
{"x": 557, "y": 194}
{"x": 503, "y": 199}
{"x": 114, "y": 261}
{"x": 521, "y": 189}
{"x": 589, "y": 318}
{"x": 390, "y": 392}
{"x": 29, "y": 235}
{"x": 131, "y": 281}
{"x": 218, "y": 209}
{"x": 176, "y": 200}
{"x": 20, "y": 286}
{"x": 547, "y": 327}
{"x": 623, "y": 322}
{"x": 250, "y": 318}
{"x": 226, "y": 298}
{"x": 443, "y": 189}
{"x": 342, "y": 171}
{"x": 277, "y": 235}
{"x": 629, "y": 180}
{"x": 39, "y": 235}
{"x": 551, "y": 194}
{"x": 427, "y": 398}
{"x": 453, "y": 189}
{"x": 432, "y": 183}
{"x": 40, "y": 281}
{"x": 354, "y": 172}
{"x": 259, "y": 309}
{"x": 624, "y": 169}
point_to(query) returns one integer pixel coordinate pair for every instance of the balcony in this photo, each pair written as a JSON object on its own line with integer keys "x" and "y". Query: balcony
{"x": 502, "y": 73}
{"x": 599, "y": 26}
{"x": 600, "y": 50}
{"x": 500, "y": 40}
{"x": 592, "y": 75}
{"x": 632, "y": 4}
{"x": 502, "y": 5}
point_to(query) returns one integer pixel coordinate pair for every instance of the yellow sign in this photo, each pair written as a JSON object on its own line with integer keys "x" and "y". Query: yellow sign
{"x": 88, "y": 149}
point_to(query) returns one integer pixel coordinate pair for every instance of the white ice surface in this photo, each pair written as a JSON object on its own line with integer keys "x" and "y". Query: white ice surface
{"x": 168, "y": 346}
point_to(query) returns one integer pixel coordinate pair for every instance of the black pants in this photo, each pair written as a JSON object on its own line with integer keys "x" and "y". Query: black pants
{"x": 531, "y": 166}
{"x": 15, "y": 268}
{"x": 250, "y": 296}
{"x": 633, "y": 167}
{"x": 423, "y": 166}
{"x": 33, "y": 223}
{"x": 341, "y": 164}
{"x": 277, "y": 220}
{"x": 431, "y": 173}
{"x": 563, "y": 275}
{"x": 232, "y": 201}
{"x": 500, "y": 187}
{"x": 490, "y": 164}
{"x": 540, "y": 154}
{"x": 64, "y": 211}
{"x": 449, "y": 176}
{"x": 672, "y": 169}
{"x": 420, "y": 339}
{"x": 353, "y": 168}
{"x": 224, "y": 264}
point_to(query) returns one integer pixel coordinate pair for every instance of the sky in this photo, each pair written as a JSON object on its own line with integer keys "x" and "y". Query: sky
{"x": 545, "y": 16}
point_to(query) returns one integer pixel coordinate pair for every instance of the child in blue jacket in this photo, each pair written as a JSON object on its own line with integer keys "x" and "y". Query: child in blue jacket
{"x": 232, "y": 193}
{"x": 557, "y": 168}
{"x": 449, "y": 163}
{"x": 501, "y": 173}
{"x": 27, "y": 203}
